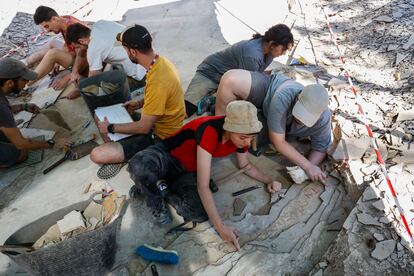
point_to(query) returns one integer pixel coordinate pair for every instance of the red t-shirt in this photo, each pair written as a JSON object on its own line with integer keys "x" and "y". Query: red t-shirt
{"x": 205, "y": 132}
{"x": 69, "y": 20}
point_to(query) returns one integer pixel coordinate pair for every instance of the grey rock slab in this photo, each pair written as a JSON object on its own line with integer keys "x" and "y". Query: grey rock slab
{"x": 369, "y": 194}
{"x": 349, "y": 222}
{"x": 409, "y": 43}
{"x": 251, "y": 224}
{"x": 378, "y": 236}
{"x": 384, "y": 18}
{"x": 399, "y": 58}
{"x": 319, "y": 273}
{"x": 379, "y": 205}
{"x": 383, "y": 249}
{"x": 367, "y": 219}
{"x": 238, "y": 206}
{"x": 405, "y": 115}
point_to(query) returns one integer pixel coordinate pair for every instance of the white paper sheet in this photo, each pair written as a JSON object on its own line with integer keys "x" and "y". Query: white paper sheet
{"x": 35, "y": 132}
{"x": 23, "y": 115}
{"x": 44, "y": 96}
{"x": 116, "y": 114}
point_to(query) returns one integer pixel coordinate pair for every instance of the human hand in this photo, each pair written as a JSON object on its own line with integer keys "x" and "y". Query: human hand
{"x": 132, "y": 105}
{"x": 32, "y": 108}
{"x": 228, "y": 234}
{"x": 274, "y": 186}
{"x": 60, "y": 83}
{"x": 315, "y": 173}
{"x": 103, "y": 126}
{"x": 62, "y": 142}
{"x": 75, "y": 77}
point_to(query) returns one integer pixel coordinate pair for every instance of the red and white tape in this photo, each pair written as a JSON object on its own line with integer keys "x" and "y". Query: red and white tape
{"x": 372, "y": 139}
{"x": 36, "y": 37}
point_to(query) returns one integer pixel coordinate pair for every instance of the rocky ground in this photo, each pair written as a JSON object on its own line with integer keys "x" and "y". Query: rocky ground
{"x": 349, "y": 227}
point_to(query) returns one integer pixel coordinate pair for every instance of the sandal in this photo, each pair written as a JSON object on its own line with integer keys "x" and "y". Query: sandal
{"x": 109, "y": 170}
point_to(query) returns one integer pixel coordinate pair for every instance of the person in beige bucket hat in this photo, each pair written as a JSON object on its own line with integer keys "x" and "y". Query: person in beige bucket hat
{"x": 190, "y": 152}
{"x": 241, "y": 117}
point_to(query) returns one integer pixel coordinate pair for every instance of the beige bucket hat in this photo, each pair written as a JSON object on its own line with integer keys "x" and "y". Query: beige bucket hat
{"x": 312, "y": 102}
{"x": 241, "y": 117}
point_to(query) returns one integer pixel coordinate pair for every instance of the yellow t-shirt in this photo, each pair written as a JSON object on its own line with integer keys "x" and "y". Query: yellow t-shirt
{"x": 164, "y": 97}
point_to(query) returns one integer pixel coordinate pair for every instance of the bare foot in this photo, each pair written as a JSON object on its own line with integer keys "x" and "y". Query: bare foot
{"x": 73, "y": 94}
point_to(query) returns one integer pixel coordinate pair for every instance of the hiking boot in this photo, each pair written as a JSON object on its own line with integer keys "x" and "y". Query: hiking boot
{"x": 204, "y": 104}
{"x": 161, "y": 213}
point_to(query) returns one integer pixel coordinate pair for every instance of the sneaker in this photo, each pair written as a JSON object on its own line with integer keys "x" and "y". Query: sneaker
{"x": 135, "y": 191}
{"x": 204, "y": 104}
{"x": 161, "y": 213}
{"x": 155, "y": 254}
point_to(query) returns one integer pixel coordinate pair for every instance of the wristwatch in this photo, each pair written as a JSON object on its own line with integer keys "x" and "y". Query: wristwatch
{"x": 110, "y": 128}
{"x": 51, "y": 142}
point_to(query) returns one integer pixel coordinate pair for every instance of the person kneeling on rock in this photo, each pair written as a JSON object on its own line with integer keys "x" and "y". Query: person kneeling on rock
{"x": 189, "y": 153}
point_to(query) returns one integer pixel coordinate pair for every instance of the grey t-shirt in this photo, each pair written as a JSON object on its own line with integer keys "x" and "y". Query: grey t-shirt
{"x": 6, "y": 115}
{"x": 277, "y": 108}
{"x": 246, "y": 54}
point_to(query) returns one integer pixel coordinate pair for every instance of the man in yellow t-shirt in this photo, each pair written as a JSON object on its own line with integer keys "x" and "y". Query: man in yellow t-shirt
{"x": 163, "y": 108}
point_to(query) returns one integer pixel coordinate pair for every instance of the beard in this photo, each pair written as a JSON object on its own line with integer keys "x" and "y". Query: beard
{"x": 133, "y": 60}
{"x": 15, "y": 89}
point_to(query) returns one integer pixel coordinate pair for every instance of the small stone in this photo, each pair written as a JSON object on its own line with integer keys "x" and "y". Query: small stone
{"x": 383, "y": 249}
{"x": 399, "y": 246}
{"x": 378, "y": 236}
{"x": 323, "y": 264}
{"x": 379, "y": 205}
{"x": 399, "y": 58}
{"x": 367, "y": 219}
{"x": 392, "y": 47}
{"x": 369, "y": 194}
{"x": 238, "y": 207}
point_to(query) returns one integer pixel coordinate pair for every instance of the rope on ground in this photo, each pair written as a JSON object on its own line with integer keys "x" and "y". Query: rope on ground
{"x": 380, "y": 160}
{"x": 232, "y": 14}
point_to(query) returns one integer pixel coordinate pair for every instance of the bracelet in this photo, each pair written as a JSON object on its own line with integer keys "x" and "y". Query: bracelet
{"x": 25, "y": 106}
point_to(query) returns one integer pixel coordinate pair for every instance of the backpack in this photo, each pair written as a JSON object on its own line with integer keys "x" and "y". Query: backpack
{"x": 183, "y": 196}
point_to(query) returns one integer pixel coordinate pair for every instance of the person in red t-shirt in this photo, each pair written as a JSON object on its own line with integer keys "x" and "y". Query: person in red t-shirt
{"x": 56, "y": 53}
{"x": 190, "y": 151}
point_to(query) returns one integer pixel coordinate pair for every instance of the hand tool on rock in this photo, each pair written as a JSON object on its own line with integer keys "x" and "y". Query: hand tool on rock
{"x": 74, "y": 153}
{"x": 246, "y": 190}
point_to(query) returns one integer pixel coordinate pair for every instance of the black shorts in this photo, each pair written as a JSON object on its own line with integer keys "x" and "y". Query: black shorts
{"x": 260, "y": 83}
{"x": 136, "y": 143}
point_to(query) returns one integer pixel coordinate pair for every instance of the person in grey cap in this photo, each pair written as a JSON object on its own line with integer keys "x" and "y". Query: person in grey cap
{"x": 13, "y": 146}
{"x": 184, "y": 160}
{"x": 297, "y": 111}
{"x": 290, "y": 110}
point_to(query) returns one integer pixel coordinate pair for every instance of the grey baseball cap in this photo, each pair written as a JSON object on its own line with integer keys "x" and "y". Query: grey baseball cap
{"x": 11, "y": 68}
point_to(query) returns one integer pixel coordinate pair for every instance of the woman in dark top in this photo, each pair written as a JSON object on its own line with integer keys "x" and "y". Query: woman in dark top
{"x": 253, "y": 55}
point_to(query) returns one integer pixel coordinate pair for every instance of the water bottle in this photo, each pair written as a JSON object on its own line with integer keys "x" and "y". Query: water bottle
{"x": 162, "y": 187}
